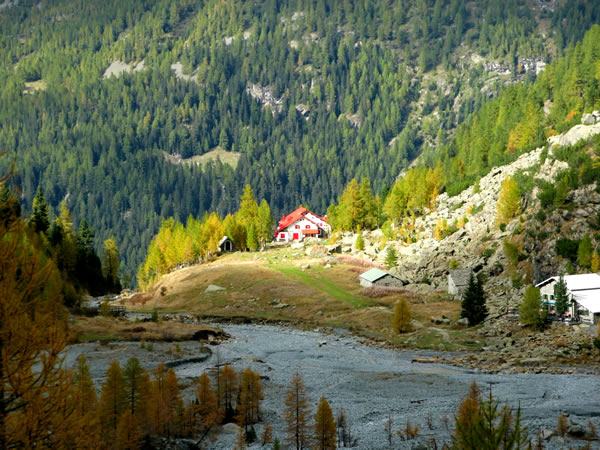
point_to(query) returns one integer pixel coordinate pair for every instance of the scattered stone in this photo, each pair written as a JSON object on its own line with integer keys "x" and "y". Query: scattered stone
{"x": 464, "y": 322}
{"x": 297, "y": 246}
{"x": 319, "y": 314}
{"x": 588, "y": 119}
{"x": 280, "y": 306}
{"x": 213, "y": 288}
{"x": 317, "y": 251}
{"x": 576, "y": 429}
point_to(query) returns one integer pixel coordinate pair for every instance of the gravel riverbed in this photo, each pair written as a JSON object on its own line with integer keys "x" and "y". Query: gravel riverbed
{"x": 371, "y": 384}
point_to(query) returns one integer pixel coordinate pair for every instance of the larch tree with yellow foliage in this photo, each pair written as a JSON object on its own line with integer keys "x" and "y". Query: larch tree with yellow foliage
{"x": 325, "y": 431}
{"x": 113, "y": 401}
{"x": 296, "y": 414}
{"x": 509, "y": 201}
{"x": 36, "y": 392}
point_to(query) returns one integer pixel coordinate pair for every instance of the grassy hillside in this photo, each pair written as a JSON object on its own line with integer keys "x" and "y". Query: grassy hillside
{"x": 283, "y": 285}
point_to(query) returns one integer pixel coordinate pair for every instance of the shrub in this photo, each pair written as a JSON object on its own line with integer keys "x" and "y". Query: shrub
{"x": 567, "y": 248}
{"x": 401, "y": 322}
{"x": 530, "y": 311}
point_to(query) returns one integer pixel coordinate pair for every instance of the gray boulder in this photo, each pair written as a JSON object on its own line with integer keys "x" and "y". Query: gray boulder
{"x": 588, "y": 119}
{"x": 463, "y": 322}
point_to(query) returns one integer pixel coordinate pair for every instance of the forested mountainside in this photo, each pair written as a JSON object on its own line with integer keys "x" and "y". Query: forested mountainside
{"x": 302, "y": 96}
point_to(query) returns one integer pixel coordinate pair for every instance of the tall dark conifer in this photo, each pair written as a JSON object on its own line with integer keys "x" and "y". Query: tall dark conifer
{"x": 473, "y": 302}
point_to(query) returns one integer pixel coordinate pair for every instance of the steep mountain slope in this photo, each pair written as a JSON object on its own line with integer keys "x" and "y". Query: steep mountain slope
{"x": 310, "y": 94}
{"x": 463, "y": 231}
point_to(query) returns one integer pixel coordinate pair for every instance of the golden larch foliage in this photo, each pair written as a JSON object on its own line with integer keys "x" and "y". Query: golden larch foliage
{"x": 267, "y": 436}
{"x": 509, "y": 201}
{"x": 229, "y": 387}
{"x": 401, "y": 321}
{"x": 325, "y": 431}
{"x": 250, "y": 396}
{"x": 36, "y": 392}
{"x": 468, "y": 411}
{"x": 296, "y": 414}
{"x": 113, "y": 401}
{"x": 207, "y": 414}
{"x": 129, "y": 432}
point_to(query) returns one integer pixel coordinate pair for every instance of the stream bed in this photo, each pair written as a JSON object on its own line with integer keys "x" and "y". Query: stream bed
{"x": 370, "y": 384}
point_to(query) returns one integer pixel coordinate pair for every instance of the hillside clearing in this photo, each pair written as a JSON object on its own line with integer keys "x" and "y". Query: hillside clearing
{"x": 282, "y": 286}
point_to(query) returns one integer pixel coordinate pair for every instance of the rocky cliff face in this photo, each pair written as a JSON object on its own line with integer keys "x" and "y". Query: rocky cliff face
{"x": 478, "y": 244}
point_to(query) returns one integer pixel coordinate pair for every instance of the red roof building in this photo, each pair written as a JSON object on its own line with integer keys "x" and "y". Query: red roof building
{"x": 301, "y": 223}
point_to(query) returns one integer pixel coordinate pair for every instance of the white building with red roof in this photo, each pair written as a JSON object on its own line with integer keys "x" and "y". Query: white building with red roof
{"x": 301, "y": 223}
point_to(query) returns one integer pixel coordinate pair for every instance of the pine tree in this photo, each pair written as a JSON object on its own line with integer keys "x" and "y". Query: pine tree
{"x": 585, "y": 251}
{"x": 401, "y": 321}
{"x": 561, "y": 296}
{"x": 390, "y": 258}
{"x": 530, "y": 311}
{"x": 473, "y": 302}
{"x": 509, "y": 201}
{"x": 296, "y": 414}
{"x": 324, "y": 436}
{"x": 40, "y": 220}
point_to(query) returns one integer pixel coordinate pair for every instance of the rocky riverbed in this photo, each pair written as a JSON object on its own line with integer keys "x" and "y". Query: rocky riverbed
{"x": 371, "y": 384}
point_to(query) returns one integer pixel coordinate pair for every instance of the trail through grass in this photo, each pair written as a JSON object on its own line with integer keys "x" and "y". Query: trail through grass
{"x": 324, "y": 285}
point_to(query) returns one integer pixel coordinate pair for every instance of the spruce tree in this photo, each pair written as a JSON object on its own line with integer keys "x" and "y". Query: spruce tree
{"x": 390, "y": 258}
{"x": 561, "y": 297}
{"x": 473, "y": 302}
{"x": 39, "y": 219}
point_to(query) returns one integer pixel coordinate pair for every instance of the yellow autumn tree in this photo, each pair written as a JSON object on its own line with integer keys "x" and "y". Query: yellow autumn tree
{"x": 113, "y": 401}
{"x": 468, "y": 411}
{"x": 325, "y": 431}
{"x": 401, "y": 321}
{"x": 296, "y": 414}
{"x": 595, "y": 262}
{"x": 86, "y": 406}
{"x": 129, "y": 432}
{"x": 509, "y": 201}
{"x": 36, "y": 392}
{"x": 206, "y": 413}
{"x": 228, "y": 389}
{"x": 250, "y": 396}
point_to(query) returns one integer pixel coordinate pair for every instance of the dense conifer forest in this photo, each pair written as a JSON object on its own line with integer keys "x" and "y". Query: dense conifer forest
{"x": 310, "y": 94}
